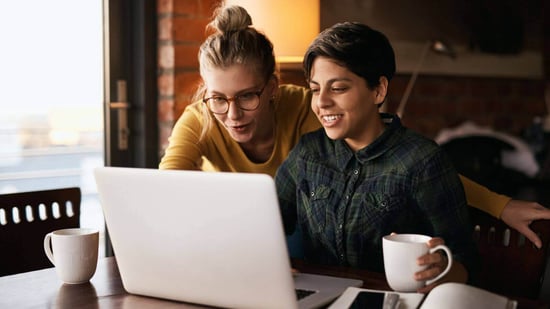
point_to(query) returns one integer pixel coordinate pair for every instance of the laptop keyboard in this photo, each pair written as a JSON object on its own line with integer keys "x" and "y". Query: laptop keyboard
{"x": 300, "y": 293}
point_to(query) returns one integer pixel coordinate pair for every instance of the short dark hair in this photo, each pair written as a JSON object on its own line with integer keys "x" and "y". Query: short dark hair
{"x": 361, "y": 49}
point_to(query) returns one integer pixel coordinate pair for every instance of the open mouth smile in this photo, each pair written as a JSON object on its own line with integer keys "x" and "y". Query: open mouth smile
{"x": 331, "y": 119}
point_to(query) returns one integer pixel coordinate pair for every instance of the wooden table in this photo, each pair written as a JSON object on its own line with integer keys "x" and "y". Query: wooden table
{"x": 43, "y": 289}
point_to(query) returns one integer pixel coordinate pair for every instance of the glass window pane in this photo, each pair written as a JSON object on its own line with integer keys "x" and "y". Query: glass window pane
{"x": 51, "y": 125}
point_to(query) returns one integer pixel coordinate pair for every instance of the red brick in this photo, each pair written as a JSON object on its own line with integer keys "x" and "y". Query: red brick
{"x": 180, "y": 107}
{"x": 511, "y": 124}
{"x": 166, "y": 84}
{"x": 166, "y": 110}
{"x": 530, "y": 87}
{"x": 456, "y": 88}
{"x": 514, "y": 107}
{"x": 428, "y": 86}
{"x": 189, "y": 29}
{"x": 415, "y": 107}
{"x": 390, "y": 106}
{"x": 166, "y": 57}
{"x": 186, "y": 83}
{"x": 428, "y": 127}
{"x": 398, "y": 84}
{"x": 186, "y": 56}
{"x": 447, "y": 106}
{"x": 493, "y": 104}
{"x": 484, "y": 87}
{"x": 165, "y": 6}
{"x": 182, "y": 100}
{"x": 165, "y": 28}
{"x": 437, "y": 102}
{"x": 534, "y": 106}
{"x": 207, "y": 7}
{"x": 186, "y": 7}
{"x": 472, "y": 106}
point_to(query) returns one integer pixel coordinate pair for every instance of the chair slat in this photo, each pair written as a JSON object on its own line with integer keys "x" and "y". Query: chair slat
{"x": 22, "y": 243}
{"x": 514, "y": 270}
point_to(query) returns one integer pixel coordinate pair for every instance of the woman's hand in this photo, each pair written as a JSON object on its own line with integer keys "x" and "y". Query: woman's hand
{"x": 519, "y": 215}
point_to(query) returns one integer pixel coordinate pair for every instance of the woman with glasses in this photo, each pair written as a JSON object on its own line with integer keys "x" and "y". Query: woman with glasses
{"x": 244, "y": 121}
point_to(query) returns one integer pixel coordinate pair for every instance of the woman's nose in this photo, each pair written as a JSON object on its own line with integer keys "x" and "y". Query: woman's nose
{"x": 323, "y": 99}
{"x": 233, "y": 111}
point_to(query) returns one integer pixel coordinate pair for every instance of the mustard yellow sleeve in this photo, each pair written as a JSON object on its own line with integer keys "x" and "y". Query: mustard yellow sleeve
{"x": 484, "y": 199}
{"x": 184, "y": 149}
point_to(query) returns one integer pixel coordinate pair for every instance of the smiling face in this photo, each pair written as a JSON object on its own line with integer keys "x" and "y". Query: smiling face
{"x": 245, "y": 127}
{"x": 344, "y": 104}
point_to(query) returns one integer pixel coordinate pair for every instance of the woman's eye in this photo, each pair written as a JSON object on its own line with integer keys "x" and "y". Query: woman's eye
{"x": 339, "y": 89}
{"x": 314, "y": 90}
{"x": 217, "y": 99}
{"x": 247, "y": 96}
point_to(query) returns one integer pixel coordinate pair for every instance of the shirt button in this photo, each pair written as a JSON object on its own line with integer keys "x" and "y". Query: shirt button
{"x": 312, "y": 194}
{"x": 356, "y": 172}
{"x": 340, "y": 226}
{"x": 347, "y": 197}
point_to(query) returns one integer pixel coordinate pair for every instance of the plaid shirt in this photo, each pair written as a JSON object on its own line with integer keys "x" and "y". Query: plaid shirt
{"x": 345, "y": 202}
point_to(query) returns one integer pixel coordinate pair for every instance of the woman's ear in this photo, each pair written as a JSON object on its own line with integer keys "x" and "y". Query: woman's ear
{"x": 381, "y": 90}
{"x": 273, "y": 85}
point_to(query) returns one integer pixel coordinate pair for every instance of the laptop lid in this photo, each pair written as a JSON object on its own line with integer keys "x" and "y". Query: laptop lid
{"x": 203, "y": 237}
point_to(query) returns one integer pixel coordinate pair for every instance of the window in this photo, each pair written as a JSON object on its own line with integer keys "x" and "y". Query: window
{"x": 51, "y": 125}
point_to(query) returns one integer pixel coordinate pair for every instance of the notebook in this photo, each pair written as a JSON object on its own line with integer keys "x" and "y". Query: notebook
{"x": 209, "y": 238}
{"x": 450, "y": 295}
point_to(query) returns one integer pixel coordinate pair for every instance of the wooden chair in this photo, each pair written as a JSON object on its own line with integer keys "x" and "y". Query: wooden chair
{"x": 25, "y": 218}
{"x": 510, "y": 264}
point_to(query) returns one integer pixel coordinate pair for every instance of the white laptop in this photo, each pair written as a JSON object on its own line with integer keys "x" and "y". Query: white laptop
{"x": 208, "y": 238}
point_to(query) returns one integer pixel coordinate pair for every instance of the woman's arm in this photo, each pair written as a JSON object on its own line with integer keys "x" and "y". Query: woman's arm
{"x": 183, "y": 151}
{"x": 517, "y": 214}
{"x": 484, "y": 199}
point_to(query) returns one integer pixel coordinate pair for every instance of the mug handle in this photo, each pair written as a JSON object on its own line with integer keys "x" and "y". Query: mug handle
{"x": 48, "y": 248}
{"x": 449, "y": 263}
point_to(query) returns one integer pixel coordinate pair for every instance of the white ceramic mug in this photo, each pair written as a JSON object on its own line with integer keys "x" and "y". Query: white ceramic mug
{"x": 74, "y": 253}
{"x": 400, "y": 254}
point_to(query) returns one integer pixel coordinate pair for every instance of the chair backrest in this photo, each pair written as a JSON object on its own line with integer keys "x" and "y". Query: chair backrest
{"x": 510, "y": 264}
{"x": 25, "y": 218}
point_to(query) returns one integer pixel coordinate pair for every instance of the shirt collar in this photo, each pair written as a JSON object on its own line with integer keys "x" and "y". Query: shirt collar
{"x": 380, "y": 145}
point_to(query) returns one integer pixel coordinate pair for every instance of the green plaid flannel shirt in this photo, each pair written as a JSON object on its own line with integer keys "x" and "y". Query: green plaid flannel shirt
{"x": 344, "y": 202}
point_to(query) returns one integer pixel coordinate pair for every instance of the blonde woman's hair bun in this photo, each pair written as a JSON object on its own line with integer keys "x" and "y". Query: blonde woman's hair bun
{"x": 231, "y": 18}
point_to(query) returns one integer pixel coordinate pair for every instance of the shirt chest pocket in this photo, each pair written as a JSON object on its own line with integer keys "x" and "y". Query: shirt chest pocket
{"x": 378, "y": 210}
{"x": 316, "y": 201}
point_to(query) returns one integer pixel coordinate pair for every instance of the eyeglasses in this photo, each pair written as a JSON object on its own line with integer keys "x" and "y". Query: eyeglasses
{"x": 247, "y": 101}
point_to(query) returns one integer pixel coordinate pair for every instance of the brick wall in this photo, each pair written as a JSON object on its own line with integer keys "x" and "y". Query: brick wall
{"x": 181, "y": 31}
{"x": 436, "y": 102}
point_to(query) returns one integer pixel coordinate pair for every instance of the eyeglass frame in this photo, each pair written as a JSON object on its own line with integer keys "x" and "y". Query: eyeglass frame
{"x": 235, "y": 99}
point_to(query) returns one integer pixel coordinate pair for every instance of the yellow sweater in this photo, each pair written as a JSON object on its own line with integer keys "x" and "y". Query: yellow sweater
{"x": 294, "y": 118}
